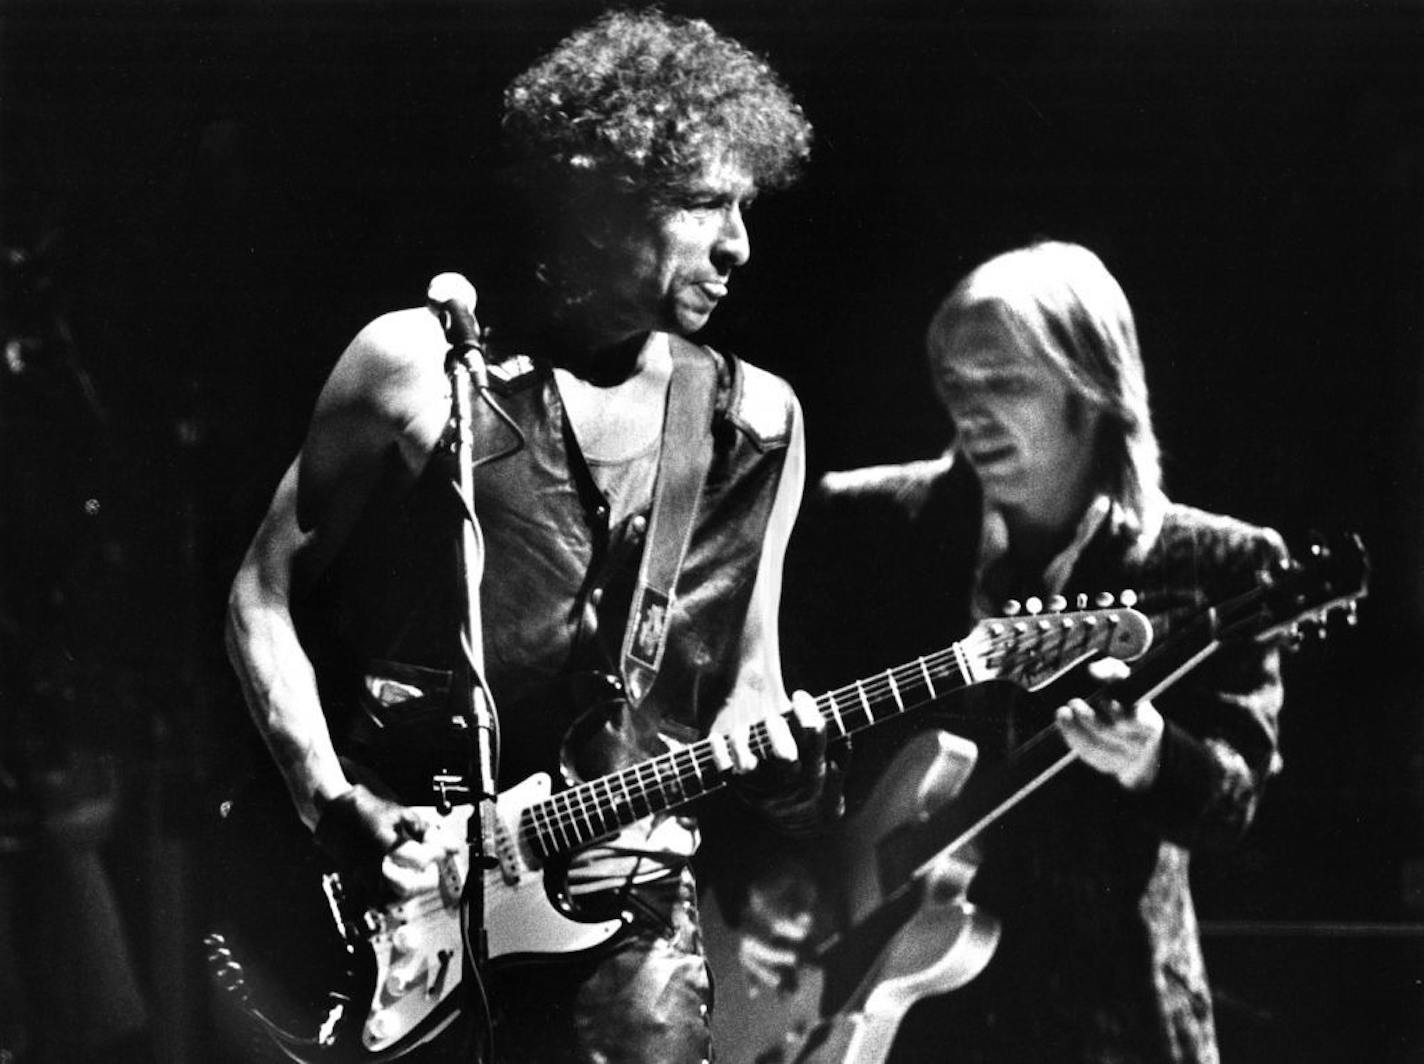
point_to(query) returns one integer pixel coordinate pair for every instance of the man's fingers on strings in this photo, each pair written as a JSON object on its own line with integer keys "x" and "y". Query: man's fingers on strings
{"x": 808, "y": 717}
{"x": 731, "y": 751}
{"x": 743, "y": 759}
{"x": 783, "y": 743}
{"x": 721, "y": 751}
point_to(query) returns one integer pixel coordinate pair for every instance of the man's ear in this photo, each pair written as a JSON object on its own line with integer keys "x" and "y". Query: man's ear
{"x": 610, "y": 225}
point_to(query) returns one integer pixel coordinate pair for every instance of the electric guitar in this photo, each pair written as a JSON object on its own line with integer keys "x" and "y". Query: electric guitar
{"x": 402, "y": 963}
{"x": 912, "y": 934}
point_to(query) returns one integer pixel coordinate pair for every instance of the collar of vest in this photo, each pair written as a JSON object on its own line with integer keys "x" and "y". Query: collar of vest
{"x": 758, "y": 403}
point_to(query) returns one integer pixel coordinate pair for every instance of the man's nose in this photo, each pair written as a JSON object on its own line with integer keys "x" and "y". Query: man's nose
{"x": 971, "y": 417}
{"x": 733, "y": 246}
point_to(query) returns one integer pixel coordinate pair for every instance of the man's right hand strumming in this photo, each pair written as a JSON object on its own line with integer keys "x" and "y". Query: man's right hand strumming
{"x": 360, "y": 829}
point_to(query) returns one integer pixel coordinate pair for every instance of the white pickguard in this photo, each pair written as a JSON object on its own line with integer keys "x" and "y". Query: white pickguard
{"x": 417, "y": 942}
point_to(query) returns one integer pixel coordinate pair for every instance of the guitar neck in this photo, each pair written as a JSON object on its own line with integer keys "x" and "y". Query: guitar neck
{"x": 601, "y": 807}
{"x": 1030, "y": 650}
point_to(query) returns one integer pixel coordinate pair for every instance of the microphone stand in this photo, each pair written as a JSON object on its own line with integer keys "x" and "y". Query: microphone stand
{"x": 473, "y": 728}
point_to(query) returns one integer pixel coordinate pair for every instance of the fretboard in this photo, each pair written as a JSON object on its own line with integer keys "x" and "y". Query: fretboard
{"x": 1030, "y": 650}
{"x": 591, "y": 811}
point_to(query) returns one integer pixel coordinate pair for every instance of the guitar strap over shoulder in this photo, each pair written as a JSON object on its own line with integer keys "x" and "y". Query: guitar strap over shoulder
{"x": 683, "y": 461}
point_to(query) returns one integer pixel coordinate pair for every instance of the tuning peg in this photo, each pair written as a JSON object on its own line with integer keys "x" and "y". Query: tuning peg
{"x": 1102, "y": 600}
{"x": 1033, "y": 605}
{"x": 1057, "y": 604}
{"x": 1352, "y": 613}
{"x": 1128, "y": 598}
{"x": 1081, "y": 602}
{"x": 1012, "y": 608}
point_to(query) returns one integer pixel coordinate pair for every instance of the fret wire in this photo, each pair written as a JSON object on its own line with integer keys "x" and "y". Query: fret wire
{"x": 562, "y": 825}
{"x": 615, "y": 815}
{"x": 593, "y": 809}
{"x": 895, "y": 690}
{"x": 656, "y": 782}
{"x": 611, "y": 801}
{"x": 679, "y": 773}
{"x": 835, "y": 711}
{"x": 560, "y": 805}
{"x": 929, "y": 683}
{"x": 912, "y": 676}
{"x": 678, "y": 781}
{"x": 580, "y": 813}
{"x": 639, "y": 790}
{"x": 679, "y": 790}
{"x": 865, "y": 702}
{"x": 633, "y": 813}
{"x": 570, "y": 817}
{"x": 583, "y": 809}
{"x": 693, "y": 756}
{"x": 961, "y": 661}
{"x": 541, "y": 815}
{"x": 548, "y": 827}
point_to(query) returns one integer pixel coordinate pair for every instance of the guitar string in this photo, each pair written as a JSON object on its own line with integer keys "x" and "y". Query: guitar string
{"x": 1049, "y": 638}
{"x": 875, "y": 689}
{"x": 697, "y": 757}
{"x": 1052, "y": 639}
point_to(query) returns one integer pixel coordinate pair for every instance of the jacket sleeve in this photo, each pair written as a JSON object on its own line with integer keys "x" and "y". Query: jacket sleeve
{"x": 1221, "y": 743}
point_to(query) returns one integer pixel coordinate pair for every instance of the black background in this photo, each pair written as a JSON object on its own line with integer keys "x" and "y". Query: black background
{"x": 218, "y": 195}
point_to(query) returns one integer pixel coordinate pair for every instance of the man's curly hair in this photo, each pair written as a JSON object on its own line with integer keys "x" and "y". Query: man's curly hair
{"x": 638, "y": 103}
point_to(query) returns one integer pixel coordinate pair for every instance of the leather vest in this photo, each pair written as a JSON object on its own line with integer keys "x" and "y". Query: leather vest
{"x": 557, "y": 579}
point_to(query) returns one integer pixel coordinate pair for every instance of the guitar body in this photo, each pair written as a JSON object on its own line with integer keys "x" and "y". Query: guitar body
{"x": 944, "y": 943}
{"x": 528, "y": 913}
{"x": 926, "y": 775}
{"x": 942, "y": 947}
{"x": 333, "y": 972}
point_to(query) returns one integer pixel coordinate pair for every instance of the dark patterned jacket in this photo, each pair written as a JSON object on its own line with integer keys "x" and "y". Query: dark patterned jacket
{"x": 1099, "y": 959}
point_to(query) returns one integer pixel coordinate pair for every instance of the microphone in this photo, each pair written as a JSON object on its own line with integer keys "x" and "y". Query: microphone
{"x": 451, "y": 298}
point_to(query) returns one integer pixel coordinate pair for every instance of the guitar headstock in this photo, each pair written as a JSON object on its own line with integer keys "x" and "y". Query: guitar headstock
{"x": 1301, "y": 595}
{"x": 1035, "y": 648}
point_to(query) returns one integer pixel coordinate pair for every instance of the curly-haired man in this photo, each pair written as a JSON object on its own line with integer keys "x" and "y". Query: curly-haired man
{"x": 636, "y": 144}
